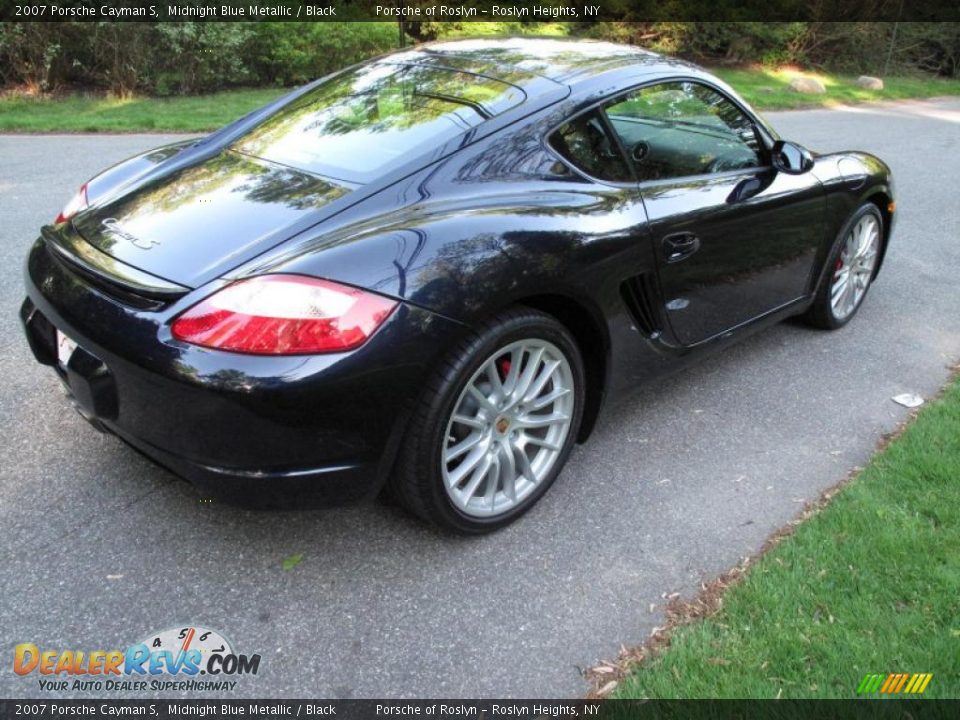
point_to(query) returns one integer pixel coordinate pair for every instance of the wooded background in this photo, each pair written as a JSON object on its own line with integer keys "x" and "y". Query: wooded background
{"x": 182, "y": 58}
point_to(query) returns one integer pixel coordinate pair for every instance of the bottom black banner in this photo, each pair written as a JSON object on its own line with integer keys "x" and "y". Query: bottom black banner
{"x": 484, "y": 709}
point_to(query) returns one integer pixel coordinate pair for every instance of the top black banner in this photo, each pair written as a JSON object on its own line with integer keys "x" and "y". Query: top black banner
{"x": 527, "y": 11}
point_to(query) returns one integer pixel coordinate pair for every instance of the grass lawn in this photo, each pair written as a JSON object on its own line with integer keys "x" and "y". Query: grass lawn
{"x": 81, "y": 113}
{"x": 765, "y": 89}
{"x": 769, "y": 89}
{"x": 871, "y": 584}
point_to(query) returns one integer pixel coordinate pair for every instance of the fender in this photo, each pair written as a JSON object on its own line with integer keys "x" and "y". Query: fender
{"x": 851, "y": 179}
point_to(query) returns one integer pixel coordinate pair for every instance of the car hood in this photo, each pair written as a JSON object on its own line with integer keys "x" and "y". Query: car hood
{"x": 204, "y": 219}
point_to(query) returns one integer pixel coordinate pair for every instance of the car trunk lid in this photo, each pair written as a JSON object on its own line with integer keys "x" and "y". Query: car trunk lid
{"x": 200, "y": 220}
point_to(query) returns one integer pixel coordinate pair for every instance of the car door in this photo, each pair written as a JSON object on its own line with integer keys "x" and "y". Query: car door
{"x": 614, "y": 221}
{"x": 733, "y": 238}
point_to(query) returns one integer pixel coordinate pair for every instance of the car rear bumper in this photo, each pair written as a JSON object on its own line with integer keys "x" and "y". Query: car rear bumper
{"x": 258, "y": 431}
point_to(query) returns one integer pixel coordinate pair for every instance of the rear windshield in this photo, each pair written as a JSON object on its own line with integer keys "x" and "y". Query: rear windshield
{"x": 365, "y": 122}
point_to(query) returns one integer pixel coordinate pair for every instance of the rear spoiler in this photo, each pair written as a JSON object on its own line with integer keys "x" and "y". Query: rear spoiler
{"x": 68, "y": 245}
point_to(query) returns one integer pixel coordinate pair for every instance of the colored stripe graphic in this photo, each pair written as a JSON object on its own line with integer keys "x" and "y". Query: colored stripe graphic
{"x": 913, "y": 683}
{"x": 894, "y": 683}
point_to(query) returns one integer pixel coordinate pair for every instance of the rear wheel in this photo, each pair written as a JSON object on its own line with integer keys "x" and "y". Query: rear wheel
{"x": 852, "y": 264}
{"x": 495, "y": 425}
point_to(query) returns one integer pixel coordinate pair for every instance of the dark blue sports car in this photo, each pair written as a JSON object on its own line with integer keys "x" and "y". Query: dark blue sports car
{"x": 427, "y": 271}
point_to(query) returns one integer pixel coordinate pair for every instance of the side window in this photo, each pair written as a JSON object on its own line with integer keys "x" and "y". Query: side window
{"x": 684, "y": 128}
{"x": 585, "y": 143}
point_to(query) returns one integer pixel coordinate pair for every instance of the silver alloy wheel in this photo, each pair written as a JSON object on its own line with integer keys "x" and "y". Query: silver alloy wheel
{"x": 508, "y": 427}
{"x": 855, "y": 267}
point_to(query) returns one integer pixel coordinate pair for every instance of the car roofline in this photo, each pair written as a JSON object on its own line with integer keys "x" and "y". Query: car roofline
{"x": 588, "y": 67}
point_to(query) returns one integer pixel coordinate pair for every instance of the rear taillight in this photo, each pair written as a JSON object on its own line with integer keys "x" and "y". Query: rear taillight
{"x": 284, "y": 315}
{"x": 77, "y": 203}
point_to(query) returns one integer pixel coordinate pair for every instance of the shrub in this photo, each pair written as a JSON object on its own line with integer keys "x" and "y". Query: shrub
{"x": 769, "y": 43}
{"x": 294, "y": 53}
{"x": 28, "y": 52}
{"x": 930, "y": 47}
{"x": 194, "y": 57}
{"x": 202, "y": 57}
{"x": 118, "y": 56}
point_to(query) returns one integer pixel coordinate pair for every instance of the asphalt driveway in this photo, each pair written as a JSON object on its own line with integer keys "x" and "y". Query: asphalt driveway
{"x": 679, "y": 482}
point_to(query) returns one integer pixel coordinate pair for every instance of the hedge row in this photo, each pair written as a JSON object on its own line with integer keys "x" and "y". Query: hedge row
{"x": 181, "y": 57}
{"x": 196, "y": 57}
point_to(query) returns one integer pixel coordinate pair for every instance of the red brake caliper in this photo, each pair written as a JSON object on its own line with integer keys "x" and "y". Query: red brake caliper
{"x": 504, "y": 366}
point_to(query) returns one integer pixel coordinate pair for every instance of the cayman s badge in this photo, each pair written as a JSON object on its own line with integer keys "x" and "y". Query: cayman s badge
{"x": 114, "y": 227}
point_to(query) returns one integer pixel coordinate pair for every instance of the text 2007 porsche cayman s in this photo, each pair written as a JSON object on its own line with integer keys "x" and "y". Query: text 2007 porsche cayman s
{"x": 428, "y": 271}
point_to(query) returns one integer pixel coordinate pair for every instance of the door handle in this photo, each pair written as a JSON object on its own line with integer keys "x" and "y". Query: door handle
{"x": 679, "y": 246}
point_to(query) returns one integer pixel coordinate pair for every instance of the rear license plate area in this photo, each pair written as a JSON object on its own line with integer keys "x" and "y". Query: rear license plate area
{"x": 65, "y": 349}
{"x": 89, "y": 382}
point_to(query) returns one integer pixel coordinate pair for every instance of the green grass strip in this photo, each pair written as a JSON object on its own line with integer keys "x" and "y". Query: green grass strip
{"x": 83, "y": 113}
{"x": 871, "y": 584}
{"x": 769, "y": 89}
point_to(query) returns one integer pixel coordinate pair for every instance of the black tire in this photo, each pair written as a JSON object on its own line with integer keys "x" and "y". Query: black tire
{"x": 417, "y": 482}
{"x": 820, "y": 314}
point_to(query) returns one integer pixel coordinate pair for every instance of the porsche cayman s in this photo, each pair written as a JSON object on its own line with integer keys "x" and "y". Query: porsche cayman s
{"x": 427, "y": 271}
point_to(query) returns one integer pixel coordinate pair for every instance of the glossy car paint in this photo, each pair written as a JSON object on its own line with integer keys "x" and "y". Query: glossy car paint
{"x": 486, "y": 221}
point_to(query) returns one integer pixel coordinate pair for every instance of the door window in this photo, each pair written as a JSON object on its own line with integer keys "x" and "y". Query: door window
{"x": 684, "y": 128}
{"x": 585, "y": 143}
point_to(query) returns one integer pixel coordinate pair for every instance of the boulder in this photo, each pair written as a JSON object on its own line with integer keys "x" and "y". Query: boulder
{"x": 807, "y": 85}
{"x": 870, "y": 83}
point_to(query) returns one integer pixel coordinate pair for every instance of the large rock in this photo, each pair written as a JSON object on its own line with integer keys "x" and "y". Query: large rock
{"x": 870, "y": 83}
{"x": 807, "y": 85}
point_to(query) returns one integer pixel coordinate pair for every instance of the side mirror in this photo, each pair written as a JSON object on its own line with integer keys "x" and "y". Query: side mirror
{"x": 791, "y": 158}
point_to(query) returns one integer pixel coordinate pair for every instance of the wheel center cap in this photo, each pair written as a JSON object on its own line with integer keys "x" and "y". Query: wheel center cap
{"x": 502, "y": 424}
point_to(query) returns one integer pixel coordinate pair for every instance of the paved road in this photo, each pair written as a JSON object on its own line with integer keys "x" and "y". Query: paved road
{"x": 679, "y": 482}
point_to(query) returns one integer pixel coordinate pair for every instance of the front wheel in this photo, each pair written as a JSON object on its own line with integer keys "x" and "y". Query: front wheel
{"x": 495, "y": 425}
{"x": 852, "y": 264}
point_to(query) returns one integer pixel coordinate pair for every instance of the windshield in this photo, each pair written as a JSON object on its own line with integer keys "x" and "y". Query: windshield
{"x": 365, "y": 122}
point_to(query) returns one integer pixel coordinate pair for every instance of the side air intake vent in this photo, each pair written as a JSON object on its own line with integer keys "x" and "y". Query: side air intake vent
{"x": 637, "y": 294}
